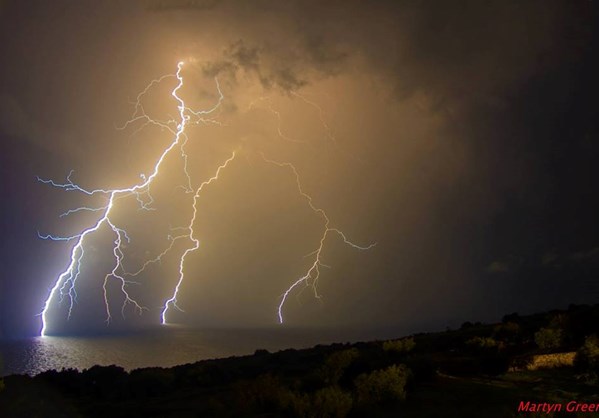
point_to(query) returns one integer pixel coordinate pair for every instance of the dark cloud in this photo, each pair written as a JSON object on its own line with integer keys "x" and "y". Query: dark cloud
{"x": 246, "y": 57}
{"x": 241, "y": 57}
{"x": 216, "y": 68}
{"x": 284, "y": 78}
{"x": 329, "y": 59}
{"x": 471, "y": 51}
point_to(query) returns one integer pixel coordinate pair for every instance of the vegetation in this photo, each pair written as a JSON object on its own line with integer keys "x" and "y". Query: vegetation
{"x": 385, "y": 385}
{"x": 548, "y": 338}
{"x": 404, "y": 345}
{"x": 482, "y": 342}
{"x": 336, "y": 364}
{"x": 477, "y": 370}
{"x": 587, "y": 357}
{"x": 331, "y": 402}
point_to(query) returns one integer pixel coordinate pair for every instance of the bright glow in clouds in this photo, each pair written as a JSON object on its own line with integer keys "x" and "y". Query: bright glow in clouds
{"x": 65, "y": 285}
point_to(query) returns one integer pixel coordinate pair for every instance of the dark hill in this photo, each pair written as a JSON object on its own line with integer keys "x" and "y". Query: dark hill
{"x": 550, "y": 360}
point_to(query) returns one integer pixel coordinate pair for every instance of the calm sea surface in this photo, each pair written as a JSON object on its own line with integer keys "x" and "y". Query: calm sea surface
{"x": 163, "y": 347}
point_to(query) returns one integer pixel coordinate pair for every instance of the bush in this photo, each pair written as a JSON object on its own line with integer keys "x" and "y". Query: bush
{"x": 508, "y": 331}
{"x": 549, "y": 338}
{"x": 336, "y": 364}
{"x": 293, "y": 404}
{"x": 587, "y": 357}
{"x": 268, "y": 394}
{"x": 383, "y": 385}
{"x": 331, "y": 402}
{"x": 263, "y": 393}
{"x": 482, "y": 342}
{"x": 558, "y": 321}
{"x": 405, "y": 345}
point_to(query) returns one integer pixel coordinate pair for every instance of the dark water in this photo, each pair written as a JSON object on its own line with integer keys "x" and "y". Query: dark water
{"x": 163, "y": 347}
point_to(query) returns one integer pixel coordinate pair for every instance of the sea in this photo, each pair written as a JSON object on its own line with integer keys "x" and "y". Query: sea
{"x": 164, "y": 347}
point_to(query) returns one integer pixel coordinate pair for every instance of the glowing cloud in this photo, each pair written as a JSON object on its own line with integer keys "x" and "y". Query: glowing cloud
{"x": 65, "y": 286}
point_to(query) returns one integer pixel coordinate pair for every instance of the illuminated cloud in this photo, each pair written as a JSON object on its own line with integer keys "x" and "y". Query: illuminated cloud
{"x": 462, "y": 132}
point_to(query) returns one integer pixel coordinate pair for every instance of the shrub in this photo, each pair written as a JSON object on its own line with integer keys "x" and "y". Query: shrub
{"x": 482, "y": 342}
{"x": 558, "y": 321}
{"x": 382, "y": 385}
{"x": 549, "y": 338}
{"x": 331, "y": 402}
{"x": 404, "y": 345}
{"x": 336, "y": 363}
{"x": 268, "y": 394}
{"x": 263, "y": 392}
{"x": 587, "y": 357}
{"x": 507, "y": 331}
{"x": 293, "y": 404}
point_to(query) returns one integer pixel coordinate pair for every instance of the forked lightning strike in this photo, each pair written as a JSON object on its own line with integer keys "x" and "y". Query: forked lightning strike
{"x": 66, "y": 282}
{"x": 312, "y": 275}
{"x": 65, "y": 285}
{"x": 196, "y": 244}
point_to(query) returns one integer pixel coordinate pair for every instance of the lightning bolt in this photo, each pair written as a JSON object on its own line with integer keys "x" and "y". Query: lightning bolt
{"x": 315, "y": 105}
{"x": 172, "y": 301}
{"x": 277, "y": 115}
{"x": 310, "y": 278}
{"x": 66, "y": 283}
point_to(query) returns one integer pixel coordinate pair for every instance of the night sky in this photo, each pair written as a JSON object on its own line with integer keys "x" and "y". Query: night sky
{"x": 461, "y": 137}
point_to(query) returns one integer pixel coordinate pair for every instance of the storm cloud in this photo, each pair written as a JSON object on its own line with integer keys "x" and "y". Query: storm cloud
{"x": 460, "y": 136}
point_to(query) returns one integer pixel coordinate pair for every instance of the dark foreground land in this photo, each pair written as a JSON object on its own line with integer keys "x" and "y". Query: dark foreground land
{"x": 548, "y": 360}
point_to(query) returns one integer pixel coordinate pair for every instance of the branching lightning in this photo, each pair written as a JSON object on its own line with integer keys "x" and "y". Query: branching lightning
{"x": 172, "y": 301}
{"x": 65, "y": 285}
{"x": 310, "y": 278}
{"x": 277, "y": 115}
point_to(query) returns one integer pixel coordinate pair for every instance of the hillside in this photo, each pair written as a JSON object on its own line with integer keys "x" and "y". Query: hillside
{"x": 537, "y": 363}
